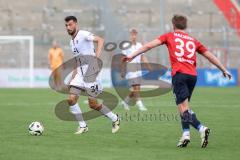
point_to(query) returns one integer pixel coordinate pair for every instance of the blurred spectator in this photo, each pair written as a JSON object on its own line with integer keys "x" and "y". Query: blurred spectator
{"x": 55, "y": 57}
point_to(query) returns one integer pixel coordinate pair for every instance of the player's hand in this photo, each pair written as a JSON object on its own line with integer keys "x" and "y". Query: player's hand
{"x": 127, "y": 59}
{"x": 227, "y": 74}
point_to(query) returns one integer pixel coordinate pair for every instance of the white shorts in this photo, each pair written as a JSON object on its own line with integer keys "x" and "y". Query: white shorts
{"x": 93, "y": 89}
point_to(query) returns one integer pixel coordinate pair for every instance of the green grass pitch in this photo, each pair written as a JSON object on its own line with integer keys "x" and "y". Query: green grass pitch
{"x": 138, "y": 139}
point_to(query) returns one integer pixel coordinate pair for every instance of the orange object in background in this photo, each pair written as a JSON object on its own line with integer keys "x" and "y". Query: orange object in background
{"x": 55, "y": 57}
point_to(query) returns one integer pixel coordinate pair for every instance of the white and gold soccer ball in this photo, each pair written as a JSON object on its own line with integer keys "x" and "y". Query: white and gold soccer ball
{"x": 36, "y": 129}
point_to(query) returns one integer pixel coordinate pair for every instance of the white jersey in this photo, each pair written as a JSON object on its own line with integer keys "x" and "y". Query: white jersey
{"x": 137, "y": 60}
{"x": 82, "y": 45}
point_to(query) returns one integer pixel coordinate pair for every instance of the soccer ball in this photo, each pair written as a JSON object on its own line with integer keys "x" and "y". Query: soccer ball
{"x": 36, "y": 129}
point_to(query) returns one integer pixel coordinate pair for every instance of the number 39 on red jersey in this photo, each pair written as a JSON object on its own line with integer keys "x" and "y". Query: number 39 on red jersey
{"x": 182, "y": 49}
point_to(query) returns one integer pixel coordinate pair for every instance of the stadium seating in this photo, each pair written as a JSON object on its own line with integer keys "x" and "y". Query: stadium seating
{"x": 44, "y": 20}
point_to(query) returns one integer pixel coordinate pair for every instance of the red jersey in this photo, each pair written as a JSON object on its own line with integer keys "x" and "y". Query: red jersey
{"x": 182, "y": 50}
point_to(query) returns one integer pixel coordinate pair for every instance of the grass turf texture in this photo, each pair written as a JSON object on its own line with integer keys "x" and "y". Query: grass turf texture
{"x": 219, "y": 108}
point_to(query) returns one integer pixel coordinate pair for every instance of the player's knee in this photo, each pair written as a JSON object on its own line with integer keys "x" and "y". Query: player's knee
{"x": 183, "y": 106}
{"x": 94, "y": 105}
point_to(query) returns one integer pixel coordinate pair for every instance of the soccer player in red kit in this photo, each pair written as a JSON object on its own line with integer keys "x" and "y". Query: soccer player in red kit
{"x": 182, "y": 50}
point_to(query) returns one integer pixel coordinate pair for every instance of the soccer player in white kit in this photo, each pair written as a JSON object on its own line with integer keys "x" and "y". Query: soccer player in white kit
{"x": 133, "y": 74}
{"x": 82, "y": 45}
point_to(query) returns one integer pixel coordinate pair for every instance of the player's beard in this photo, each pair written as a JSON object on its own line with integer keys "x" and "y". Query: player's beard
{"x": 72, "y": 32}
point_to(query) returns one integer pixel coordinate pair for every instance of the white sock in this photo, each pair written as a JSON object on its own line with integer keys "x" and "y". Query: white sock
{"x": 201, "y": 128}
{"x": 139, "y": 103}
{"x": 186, "y": 133}
{"x": 107, "y": 112}
{"x": 127, "y": 99}
{"x": 75, "y": 109}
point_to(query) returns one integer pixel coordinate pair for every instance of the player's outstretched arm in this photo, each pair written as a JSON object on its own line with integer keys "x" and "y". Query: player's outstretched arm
{"x": 143, "y": 49}
{"x": 214, "y": 60}
{"x": 100, "y": 43}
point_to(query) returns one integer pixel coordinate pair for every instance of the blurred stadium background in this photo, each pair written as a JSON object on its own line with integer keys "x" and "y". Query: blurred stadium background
{"x": 216, "y": 23}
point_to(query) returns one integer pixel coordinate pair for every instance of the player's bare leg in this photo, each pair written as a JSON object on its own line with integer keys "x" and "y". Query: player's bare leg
{"x": 188, "y": 117}
{"x": 125, "y": 102}
{"x": 75, "y": 109}
{"x": 93, "y": 103}
{"x": 185, "y": 139}
{"x": 136, "y": 95}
